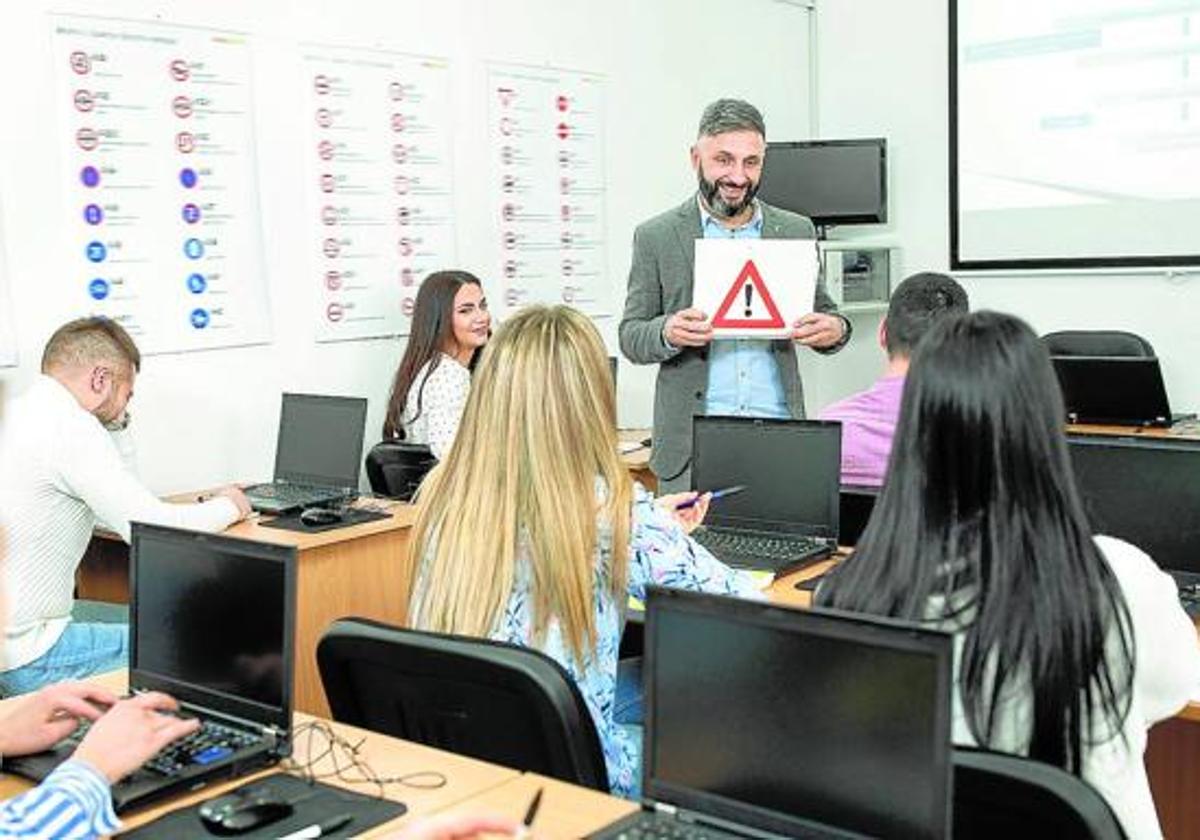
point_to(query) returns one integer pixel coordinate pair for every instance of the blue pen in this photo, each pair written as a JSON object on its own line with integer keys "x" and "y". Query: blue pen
{"x": 716, "y": 494}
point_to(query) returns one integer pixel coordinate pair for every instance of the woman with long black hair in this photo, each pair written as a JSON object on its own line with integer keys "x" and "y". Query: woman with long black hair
{"x": 1068, "y": 646}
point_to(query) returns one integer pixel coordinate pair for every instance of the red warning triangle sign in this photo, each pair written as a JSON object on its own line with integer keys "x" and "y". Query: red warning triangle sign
{"x": 735, "y": 308}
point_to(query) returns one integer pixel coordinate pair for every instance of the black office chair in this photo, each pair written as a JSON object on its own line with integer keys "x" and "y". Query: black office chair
{"x": 855, "y": 504}
{"x": 997, "y": 795}
{"x": 1096, "y": 343}
{"x": 396, "y": 468}
{"x": 497, "y": 702}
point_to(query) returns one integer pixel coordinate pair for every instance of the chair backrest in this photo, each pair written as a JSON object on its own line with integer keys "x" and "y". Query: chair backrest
{"x": 395, "y": 468}
{"x": 997, "y": 795}
{"x": 1096, "y": 343}
{"x": 493, "y": 701}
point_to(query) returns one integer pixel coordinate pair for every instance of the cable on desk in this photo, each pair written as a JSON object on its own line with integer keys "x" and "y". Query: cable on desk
{"x": 322, "y": 742}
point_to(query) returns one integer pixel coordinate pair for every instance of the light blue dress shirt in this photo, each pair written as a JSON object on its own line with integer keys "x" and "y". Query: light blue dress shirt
{"x": 743, "y": 377}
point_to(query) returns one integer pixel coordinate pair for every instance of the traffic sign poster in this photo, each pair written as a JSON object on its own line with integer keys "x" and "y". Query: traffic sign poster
{"x": 754, "y": 288}
{"x": 159, "y": 179}
{"x": 547, "y": 179}
{"x": 379, "y": 183}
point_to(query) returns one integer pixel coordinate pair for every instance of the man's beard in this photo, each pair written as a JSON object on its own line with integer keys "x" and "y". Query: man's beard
{"x": 710, "y": 191}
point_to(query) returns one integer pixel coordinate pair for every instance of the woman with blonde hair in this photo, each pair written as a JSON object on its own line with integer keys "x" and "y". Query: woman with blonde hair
{"x": 531, "y": 530}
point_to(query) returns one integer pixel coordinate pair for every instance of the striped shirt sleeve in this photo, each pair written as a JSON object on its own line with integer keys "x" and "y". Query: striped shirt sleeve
{"x": 72, "y": 803}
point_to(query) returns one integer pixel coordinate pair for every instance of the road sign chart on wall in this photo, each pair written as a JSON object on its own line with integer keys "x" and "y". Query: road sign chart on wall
{"x": 547, "y": 173}
{"x": 157, "y": 142}
{"x": 380, "y": 182}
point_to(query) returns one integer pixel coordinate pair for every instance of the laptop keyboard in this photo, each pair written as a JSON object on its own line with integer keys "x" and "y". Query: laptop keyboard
{"x": 651, "y": 826}
{"x": 212, "y": 742}
{"x": 290, "y": 494}
{"x": 775, "y": 550}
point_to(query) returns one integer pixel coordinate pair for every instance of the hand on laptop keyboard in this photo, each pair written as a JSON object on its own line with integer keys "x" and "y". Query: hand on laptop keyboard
{"x": 131, "y": 732}
{"x": 235, "y": 495}
{"x": 40, "y": 720}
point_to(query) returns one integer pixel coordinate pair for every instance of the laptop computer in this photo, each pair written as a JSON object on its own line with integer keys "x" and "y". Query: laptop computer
{"x": 212, "y": 623}
{"x": 1146, "y": 491}
{"x": 788, "y": 515}
{"x": 766, "y": 721}
{"x": 318, "y": 453}
{"x": 1118, "y": 390}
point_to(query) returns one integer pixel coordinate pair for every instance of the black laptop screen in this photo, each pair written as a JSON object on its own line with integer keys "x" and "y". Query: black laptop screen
{"x": 212, "y": 617}
{"x": 1145, "y": 491}
{"x": 320, "y": 439}
{"x": 759, "y": 713}
{"x": 791, "y": 469}
{"x": 1113, "y": 389}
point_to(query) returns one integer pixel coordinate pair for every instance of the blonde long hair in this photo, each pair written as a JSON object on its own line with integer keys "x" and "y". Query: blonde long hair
{"x": 537, "y": 438}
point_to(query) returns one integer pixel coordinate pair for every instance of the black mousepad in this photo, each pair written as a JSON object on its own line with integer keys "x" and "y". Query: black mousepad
{"x": 313, "y": 802}
{"x": 350, "y": 516}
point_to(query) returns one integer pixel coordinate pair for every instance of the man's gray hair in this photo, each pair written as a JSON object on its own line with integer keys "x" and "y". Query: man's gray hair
{"x": 730, "y": 115}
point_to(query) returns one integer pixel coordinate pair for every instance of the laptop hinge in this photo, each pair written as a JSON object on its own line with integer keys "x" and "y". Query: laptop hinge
{"x": 274, "y": 736}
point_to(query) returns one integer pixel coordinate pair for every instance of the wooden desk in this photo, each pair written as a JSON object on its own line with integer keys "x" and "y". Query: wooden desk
{"x": 356, "y": 570}
{"x": 1188, "y": 431}
{"x": 638, "y": 461}
{"x": 566, "y": 810}
{"x": 388, "y": 757}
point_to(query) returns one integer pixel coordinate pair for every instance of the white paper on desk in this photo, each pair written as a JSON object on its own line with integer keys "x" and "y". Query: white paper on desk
{"x": 755, "y": 288}
{"x": 625, "y": 447}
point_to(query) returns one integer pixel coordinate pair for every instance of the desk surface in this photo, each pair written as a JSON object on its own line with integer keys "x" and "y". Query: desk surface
{"x": 402, "y": 516}
{"x": 566, "y": 810}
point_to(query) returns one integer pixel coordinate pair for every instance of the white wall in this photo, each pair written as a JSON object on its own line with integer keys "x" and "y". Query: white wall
{"x": 883, "y": 71}
{"x": 209, "y": 417}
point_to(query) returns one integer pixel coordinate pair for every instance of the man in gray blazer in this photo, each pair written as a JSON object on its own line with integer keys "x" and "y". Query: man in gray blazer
{"x": 750, "y": 377}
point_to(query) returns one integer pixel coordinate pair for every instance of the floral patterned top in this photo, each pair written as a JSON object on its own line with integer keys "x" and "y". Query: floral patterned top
{"x": 660, "y": 553}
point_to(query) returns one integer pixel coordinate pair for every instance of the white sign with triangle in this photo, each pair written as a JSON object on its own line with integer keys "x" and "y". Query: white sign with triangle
{"x": 755, "y": 288}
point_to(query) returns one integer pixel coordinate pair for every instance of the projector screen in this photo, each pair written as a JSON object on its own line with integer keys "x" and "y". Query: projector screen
{"x": 1074, "y": 133}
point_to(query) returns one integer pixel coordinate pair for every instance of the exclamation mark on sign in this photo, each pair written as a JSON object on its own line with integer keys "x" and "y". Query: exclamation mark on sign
{"x": 749, "y": 296}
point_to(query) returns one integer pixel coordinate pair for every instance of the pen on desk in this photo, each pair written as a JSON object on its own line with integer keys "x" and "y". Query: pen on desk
{"x": 321, "y": 829}
{"x": 716, "y": 494}
{"x": 531, "y": 814}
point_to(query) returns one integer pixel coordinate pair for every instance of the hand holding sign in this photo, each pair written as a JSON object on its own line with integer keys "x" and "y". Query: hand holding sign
{"x": 819, "y": 330}
{"x": 755, "y": 288}
{"x": 688, "y": 328}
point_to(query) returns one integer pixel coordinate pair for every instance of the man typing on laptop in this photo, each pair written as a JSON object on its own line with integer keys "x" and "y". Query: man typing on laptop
{"x": 65, "y": 464}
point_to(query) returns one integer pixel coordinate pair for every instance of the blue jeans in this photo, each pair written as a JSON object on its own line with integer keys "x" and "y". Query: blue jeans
{"x": 82, "y": 650}
{"x": 627, "y": 706}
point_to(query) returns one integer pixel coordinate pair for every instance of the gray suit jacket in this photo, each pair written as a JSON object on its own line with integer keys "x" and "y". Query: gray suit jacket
{"x": 660, "y": 284}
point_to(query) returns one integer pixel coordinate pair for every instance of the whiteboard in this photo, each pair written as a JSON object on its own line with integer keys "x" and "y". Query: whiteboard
{"x": 1074, "y": 134}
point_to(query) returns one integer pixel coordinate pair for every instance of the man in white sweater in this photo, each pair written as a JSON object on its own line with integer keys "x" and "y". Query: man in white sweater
{"x": 66, "y": 462}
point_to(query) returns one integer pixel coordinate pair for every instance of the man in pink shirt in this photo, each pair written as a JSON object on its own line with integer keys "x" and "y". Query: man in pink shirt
{"x": 869, "y": 418}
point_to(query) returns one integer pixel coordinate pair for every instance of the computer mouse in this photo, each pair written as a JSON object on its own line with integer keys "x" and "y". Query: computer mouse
{"x": 244, "y": 811}
{"x": 314, "y": 516}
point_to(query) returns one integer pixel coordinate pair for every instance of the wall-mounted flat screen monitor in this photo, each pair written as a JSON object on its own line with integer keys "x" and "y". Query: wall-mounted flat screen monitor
{"x": 833, "y": 182}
